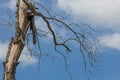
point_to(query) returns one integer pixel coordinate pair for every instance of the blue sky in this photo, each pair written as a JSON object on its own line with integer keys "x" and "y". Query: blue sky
{"x": 103, "y": 15}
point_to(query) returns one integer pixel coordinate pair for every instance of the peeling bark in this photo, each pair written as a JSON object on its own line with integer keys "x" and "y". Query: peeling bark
{"x": 17, "y": 43}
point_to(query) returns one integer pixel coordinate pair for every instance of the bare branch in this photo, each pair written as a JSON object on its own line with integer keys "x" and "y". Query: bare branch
{"x": 78, "y": 33}
{"x": 79, "y": 37}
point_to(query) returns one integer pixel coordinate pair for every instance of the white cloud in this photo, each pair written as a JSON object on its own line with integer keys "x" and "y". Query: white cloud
{"x": 25, "y": 59}
{"x": 111, "y": 40}
{"x": 40, "y": 24}
{"x": 3, "y": 50}
{"x": 97, "y": 12}
{"x": 62, "y": 33}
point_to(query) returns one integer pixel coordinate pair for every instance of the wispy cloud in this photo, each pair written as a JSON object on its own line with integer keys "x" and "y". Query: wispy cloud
{"x": 3, "y": 50}
{"x": 11, "y": 4}
{"x": 40, "y": 24}
{"x": 25, "y": 59}
{"x": 111, "y": 40}
{"x": 97, "y": 12}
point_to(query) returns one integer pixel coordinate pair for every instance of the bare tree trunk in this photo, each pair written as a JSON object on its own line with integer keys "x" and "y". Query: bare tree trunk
{"x": 17, "y": 43}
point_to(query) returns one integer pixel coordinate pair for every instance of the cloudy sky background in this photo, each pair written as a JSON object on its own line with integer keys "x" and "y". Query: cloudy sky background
{"x": 103, "y": 15}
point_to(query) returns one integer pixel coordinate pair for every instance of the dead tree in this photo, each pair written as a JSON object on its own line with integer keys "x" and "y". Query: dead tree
{"x": 25, "y": 12}
{"x": 24, "y": 20}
